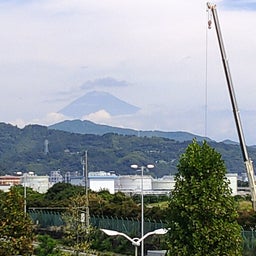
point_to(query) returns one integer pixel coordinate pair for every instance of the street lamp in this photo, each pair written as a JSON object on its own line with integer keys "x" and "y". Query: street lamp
{"x": 135, "y": 166}
{"x": 135, "y": 241}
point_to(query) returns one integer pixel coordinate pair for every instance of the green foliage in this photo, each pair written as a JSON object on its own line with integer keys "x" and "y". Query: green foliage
{"x": 202, "y": 212}
{"x": 118, "y": 204}
{"x": 241, "y": 183}
{"x": 34, "y": 198}
{"x": 47, "y": 246}
{"x": 247, "y": 219}
{"x": 117, "y": 244}
{"x": 16, "y": 234}
{"x": 76, "y": 234}
{"x": 61, "y": 191}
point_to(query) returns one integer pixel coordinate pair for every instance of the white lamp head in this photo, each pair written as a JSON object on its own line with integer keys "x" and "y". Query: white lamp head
{"x": 160, "y": 231}
{"x": 110, "y": 232}
{"x": 135, "y": 166}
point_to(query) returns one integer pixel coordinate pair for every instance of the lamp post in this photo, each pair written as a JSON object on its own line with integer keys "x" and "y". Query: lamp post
{"x": 135, "y": 241}
{"x": 135, "y": 166}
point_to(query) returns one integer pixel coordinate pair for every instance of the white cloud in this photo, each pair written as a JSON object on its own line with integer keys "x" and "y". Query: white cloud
{"x": 103, "y": 82}
{"x": 19, "y": 123}
{"x": 52, "y": 118}
{"x": 100, "y": 116}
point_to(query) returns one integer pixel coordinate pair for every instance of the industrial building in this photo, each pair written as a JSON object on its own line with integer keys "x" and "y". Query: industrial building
{"x": 128, "y": 184}
{"x": 37, "y": 183}
{"x": 132, "y": 184}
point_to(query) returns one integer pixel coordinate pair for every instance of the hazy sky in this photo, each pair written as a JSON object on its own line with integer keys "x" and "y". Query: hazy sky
{"x": 155, "y": 54}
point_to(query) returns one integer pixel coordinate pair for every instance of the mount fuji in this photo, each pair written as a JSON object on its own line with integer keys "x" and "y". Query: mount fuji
{"x": 95, "y": 101}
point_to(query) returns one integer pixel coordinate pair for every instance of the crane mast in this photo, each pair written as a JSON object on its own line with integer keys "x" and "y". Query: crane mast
{"x": 247, "y": 160}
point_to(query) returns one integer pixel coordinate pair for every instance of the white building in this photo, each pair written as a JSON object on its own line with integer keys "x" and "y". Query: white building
{"x": 232, "y": 177}
{"x": 102, "y": 181}
{"x": 56, "y": 177}
{"x": 97, "y": 181}
{"x": 77, "y": 181}
{"x": 38, "y": 183}
{"x": 7, "y": 181}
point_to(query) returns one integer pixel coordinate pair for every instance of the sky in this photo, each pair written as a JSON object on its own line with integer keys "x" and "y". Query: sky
{"x": 158, "y": 55}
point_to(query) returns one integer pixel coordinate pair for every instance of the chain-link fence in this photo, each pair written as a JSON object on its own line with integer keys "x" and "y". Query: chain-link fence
{"x": 49, "y": 218}
{"x": 45, "y": 218}
{"x": 249, "y": 242}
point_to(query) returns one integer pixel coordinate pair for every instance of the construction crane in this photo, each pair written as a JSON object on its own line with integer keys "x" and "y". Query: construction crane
{"x": 247, "y": 160}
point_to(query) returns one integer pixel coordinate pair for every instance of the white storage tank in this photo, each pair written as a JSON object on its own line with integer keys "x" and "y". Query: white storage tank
{"x": 132, "y": 183}
{"x": 166, "y": 183}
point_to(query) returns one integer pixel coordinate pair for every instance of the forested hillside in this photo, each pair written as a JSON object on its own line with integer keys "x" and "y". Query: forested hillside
{"x": 88, "y": 127}
{"x": 24, "y": 150}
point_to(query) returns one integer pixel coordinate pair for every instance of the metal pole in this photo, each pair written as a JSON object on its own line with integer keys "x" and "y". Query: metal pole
{"x": 136, "y": 250}
{"x": 87, "y": 214}
{"x": 142, "y": 212}
{"x": 25, "y": 195}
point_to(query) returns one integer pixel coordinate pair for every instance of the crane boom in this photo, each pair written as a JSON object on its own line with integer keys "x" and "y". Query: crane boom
{"x": 247, "y": 160}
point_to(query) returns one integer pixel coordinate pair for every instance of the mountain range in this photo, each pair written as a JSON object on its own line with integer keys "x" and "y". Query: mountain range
{"x": 42, "y": 150}
{"x": 88, "y": 127}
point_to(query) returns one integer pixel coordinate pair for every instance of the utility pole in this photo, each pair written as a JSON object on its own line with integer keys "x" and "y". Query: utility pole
{"x": 85, "y": 176}
{"x": 25, "y": 194}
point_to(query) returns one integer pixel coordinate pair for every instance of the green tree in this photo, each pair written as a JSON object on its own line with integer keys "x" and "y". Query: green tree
{"x": 76, "y": 234}
{"x": 16, "y": 228}
{"x": 202, "y": 213}
{"x": 59, "y": 194}
{"x": 34, "y": 198}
